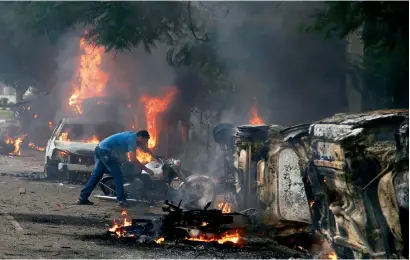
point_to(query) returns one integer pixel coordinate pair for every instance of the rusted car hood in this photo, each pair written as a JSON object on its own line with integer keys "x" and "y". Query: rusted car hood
{"x": 76, "y": 147}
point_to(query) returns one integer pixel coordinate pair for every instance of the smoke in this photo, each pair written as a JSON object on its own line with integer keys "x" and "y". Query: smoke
{"x": 296, "y": 77}
{"x": 67, "y": 61}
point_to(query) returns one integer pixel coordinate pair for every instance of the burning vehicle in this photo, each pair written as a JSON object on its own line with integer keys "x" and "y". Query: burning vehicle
{"x": 70, "y": 149}
{"x": 344, "y": 177}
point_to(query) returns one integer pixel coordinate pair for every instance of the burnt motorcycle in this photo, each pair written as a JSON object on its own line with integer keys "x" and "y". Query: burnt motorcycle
{"x": 169, "y": 182}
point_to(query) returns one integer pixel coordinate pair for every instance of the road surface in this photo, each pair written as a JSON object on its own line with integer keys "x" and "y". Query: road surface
{"x": 39, "y": 219}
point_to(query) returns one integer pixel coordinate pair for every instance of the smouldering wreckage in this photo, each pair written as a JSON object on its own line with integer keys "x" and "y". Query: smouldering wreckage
{"x": 344, "y": 177}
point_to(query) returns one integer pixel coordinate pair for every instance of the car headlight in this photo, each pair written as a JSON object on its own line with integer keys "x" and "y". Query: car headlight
{"x": 60, "y": 155}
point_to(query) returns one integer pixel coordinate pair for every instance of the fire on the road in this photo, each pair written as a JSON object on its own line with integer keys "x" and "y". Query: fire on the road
{"x": 35, "y": 147}
{"x": 118, "y": 228}
{"x": 91, "y": 80}
{"x": 16, "y": 142}
{"x": 227, "y": 237}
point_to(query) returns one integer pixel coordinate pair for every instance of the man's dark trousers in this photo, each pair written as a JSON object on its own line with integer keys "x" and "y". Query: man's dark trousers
{"x": 104, "y": 163}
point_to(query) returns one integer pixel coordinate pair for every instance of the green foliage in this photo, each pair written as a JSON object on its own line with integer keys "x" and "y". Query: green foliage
{"x": 115, "y": 25}
{"x": 383, "y": 29}
{"x": 27, "y": 59}
{"x": 4, "y": 102}
{"x": 385, "y": 22}
{"x": 118, "y": 26}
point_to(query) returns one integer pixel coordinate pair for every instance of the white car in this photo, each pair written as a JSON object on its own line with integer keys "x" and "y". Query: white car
{"x": 70, "y": 149}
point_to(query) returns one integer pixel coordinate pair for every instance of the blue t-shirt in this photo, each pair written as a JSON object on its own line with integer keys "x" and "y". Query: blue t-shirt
{"x": 120, "y": 143}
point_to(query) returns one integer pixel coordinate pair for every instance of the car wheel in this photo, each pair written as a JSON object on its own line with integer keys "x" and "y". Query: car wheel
{"x": 51, "y": 170}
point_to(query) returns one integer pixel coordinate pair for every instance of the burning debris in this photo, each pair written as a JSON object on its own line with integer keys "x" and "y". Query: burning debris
{"x": 35, "y": 147}
{"x": 179, "y": 226}
{"x": 16, "y": 143}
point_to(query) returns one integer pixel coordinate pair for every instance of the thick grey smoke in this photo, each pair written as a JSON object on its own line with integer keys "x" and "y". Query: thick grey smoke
{"x": 296, "y": 77}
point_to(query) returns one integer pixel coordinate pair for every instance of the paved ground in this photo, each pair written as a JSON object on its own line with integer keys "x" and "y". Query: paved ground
{"x": 40, "y": 220}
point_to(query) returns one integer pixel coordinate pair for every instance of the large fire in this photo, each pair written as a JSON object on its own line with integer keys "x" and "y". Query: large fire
{"x": 91, "y": 80}
{"x": 16, "y": 142}
{"x": 227, "y": 237}
{"x": 255, "y": 119}
{"x": 153, "y": 106}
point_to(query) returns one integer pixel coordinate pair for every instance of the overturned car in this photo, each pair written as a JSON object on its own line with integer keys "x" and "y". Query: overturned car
{"x": 345, "y": 177}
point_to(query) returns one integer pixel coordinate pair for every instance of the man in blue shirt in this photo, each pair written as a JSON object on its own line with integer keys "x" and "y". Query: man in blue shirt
{"x": 107, "y": 154}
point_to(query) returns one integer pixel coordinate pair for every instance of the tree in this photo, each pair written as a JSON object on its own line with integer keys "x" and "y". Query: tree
{"x": 27, "y": 59}
{"x": 383, "y": 29}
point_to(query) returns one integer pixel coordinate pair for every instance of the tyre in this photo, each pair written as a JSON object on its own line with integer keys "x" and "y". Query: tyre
{"x": 107, "y": 186}
{"x": 51, "y": 170}
{"x": 197, "y": 191}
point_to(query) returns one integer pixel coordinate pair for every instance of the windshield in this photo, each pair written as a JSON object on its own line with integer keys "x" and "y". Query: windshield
{"x": 88, "y": 133}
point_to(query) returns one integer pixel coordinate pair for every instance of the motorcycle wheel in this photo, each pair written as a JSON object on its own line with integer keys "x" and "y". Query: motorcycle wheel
{"x": 107, "y": 186}
{"x": 197, "y": 191}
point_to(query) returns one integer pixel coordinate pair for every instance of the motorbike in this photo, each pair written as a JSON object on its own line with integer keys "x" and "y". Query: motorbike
{"x": 167, "y": 183}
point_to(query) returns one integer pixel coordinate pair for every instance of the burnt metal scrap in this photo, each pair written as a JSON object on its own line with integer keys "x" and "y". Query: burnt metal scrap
{"x": 352, "y": 163}
{"x": 179, "y": 225}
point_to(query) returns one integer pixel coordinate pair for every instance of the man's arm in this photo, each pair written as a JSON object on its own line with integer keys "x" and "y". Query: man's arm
{"x": 132, "y": 157}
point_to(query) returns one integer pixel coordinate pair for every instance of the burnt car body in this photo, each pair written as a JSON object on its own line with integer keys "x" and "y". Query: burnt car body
{"x": 345, "y": 176}
{"x": 72, "y": 157}
{"x": 352, "y": 183}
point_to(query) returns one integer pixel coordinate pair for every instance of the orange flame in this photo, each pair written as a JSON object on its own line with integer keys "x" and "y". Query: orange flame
{"x": 154, "y": 106}
{"x": 255, "y": 118}
{"x": 118, "y": 228}
{"x": 35, "y": 147}
{"x": 91, "y": 80}
{"x": 93, "y": 140}
{"x": 64, "y": 137}
{"x": 17, "y": 143}
{"x": 332, "y": 255}
{"x": 143, "y": 157}
{"x": 225, "y": 207}
{"x": 233, "y": 238}
{"x": 50, "y": 125}
{"x": 159, "y": 240}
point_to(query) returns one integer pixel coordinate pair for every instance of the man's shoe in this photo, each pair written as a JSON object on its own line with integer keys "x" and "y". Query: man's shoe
{"x": 123, "y": 204}
{"x": 84, "y": 202}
